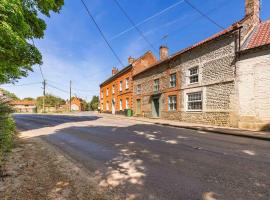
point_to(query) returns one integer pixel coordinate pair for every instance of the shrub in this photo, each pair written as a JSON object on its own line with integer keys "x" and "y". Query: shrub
{"x": 7, "y": 129}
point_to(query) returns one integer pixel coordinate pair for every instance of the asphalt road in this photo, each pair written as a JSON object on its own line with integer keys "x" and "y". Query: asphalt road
{"x": 145, "y": 161}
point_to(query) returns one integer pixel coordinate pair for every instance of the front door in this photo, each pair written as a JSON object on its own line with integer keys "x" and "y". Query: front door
{"x": 113, "y": 106}
{"x": 155, "y": 107}
{"x": 138, "y": 107}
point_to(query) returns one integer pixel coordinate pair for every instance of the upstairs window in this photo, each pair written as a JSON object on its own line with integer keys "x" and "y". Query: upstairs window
{"x": 172, "y": 103}
{"x": 120, "y": 86}
{"x": 127, "y": 83}
{"x": 156, "y": 85}
{"x": 194, "y": 75}
{"x": 173, "y": 80}
{"x": 101, "y": 95}
{"x": 113, "y": 89}
{"x": 139, "y": 89}
{"x": 194, "y": 101}
{"x": 107, "y": 91}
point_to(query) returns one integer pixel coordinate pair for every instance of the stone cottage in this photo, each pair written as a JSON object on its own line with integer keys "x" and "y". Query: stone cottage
{"x": 204, "y": 83}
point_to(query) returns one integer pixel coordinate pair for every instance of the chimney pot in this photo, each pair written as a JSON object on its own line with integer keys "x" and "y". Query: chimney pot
{"x": 131, "y": 60}
{"x": 163, "y": 52}
{"x": 114, "y": 70}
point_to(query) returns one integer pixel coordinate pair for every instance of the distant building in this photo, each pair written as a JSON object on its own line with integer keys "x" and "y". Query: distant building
{"x": 24, "y": 106}
{"x": 116, "y": 93}
{"x": 76, "y": 104}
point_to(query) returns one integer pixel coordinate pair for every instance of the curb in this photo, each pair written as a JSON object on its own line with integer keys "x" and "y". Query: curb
{"x": 214, "y": 130}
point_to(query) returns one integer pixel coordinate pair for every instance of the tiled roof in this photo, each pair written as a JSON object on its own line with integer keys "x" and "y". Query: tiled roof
{"x": 260, "y": 36}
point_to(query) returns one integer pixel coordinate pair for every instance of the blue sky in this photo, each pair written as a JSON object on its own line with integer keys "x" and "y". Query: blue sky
{"x": 73, "y": 49}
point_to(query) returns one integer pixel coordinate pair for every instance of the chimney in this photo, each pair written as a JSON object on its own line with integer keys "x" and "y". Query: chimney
{"x": 252, "y": 8}
{"x": 163, "y": 52}
{"x": 114, "y": 70}
{"x": 131, "y": 60}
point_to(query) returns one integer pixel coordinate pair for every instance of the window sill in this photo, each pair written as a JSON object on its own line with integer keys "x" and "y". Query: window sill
{"x": 195, "y": 111}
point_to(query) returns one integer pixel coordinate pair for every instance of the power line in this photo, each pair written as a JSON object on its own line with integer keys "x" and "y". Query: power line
{"x": 134, "y": 25}
{"x": 57, "y": 88}
{"x": 204, "y": 15}
{"x": 101, "y": 33}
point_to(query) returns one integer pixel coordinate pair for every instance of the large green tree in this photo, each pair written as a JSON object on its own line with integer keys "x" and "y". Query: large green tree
{"x": 10, "y": 95}
{"x": 20, "y": 22}
{"x": 50, "y": 100}
{"x": 94, "y": 103}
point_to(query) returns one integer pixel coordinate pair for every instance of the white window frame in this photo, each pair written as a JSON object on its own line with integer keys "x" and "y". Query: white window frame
{"x": 102, "y": 94}
{"x": 194, "y": 101}
{"x": 113, "y": 89}
{"x": 120, "y": 104}
{"x": 120, "y": 86}
{"x": 127, "y": 103}
{"x": 190, "y": 76}
{"x": 127, "y": 83}
{"x": 173, "y": 80}
{"x": 107, "y": 92}
{"x": 139, "y": 89}
{"x": 156, "y": 85}
{"x": 102, "y": 106}
{"x": 172, "y": 103}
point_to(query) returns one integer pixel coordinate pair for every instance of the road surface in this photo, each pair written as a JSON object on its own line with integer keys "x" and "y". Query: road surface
{"x": 144, "y": 161}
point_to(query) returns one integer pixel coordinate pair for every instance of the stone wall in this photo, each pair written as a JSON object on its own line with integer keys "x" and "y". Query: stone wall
{"x": 216, "y": 63}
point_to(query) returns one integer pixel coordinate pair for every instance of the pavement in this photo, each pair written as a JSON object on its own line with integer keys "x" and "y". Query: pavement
{"x": 262, "y": 135}
{"x": 142, "y": 160}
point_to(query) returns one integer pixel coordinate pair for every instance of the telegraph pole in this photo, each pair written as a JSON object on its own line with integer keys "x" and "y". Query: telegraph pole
{"x": 44, "y": 94}
{"x": 70, "y": 96}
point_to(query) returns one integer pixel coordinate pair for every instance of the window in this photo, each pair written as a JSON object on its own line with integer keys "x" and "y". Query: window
{"x": 173, "y": 80}
{"x": 194, "y": 75}
{"x": 195, "y": 101}
{"x": 107, "y": 105}
{"x": 156, "y": 85}
{"x": 101, "y": 94}
{"x": 127, "y": 103}
{"x": 120, "y": 104}
{"x": 102, "y": 106}
{"x": 172, "y": 103}
{"x": 120, "y": 86}
{"x": 139, "y": 89}
{"x": 107, "y": 91}
{"x": 113, "y": 88}
{"x": 127, "y": 83}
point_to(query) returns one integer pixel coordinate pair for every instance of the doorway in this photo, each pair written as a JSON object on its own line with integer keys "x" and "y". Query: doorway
{"x": 113, "y": 106}
{"x": 138, "y": 107}
{"x": 155, "y": 107}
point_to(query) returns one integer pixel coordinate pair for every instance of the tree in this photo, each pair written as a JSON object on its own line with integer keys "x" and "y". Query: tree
{"x": 94, "y": 103}
{"x": 10, "y": 95}
{"x": 28, "y": 99}
{"x": 50, "y": 100}
{"x": 19, "y": 24}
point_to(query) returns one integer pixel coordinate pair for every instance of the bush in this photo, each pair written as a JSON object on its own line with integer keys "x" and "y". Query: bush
{"x": 7, "y": 129}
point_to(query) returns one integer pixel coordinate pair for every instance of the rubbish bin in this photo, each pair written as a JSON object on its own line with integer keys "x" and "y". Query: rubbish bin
{"x": 128, "y": 112}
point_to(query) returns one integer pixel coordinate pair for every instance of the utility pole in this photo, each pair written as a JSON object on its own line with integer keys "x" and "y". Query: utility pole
{"x": 44, "y": 94}
{"x": 70, "y": 96}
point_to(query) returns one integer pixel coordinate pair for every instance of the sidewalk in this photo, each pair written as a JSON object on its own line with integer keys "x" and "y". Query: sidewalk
{"x": 214, "y": 129}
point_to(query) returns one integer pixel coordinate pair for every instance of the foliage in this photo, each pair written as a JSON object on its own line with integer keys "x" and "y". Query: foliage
{"x": 28, "y": 99}
{"x": 10, "y": 94}
{"x": 7, "y": 129}
{"x": 50, "y": 100}
{"x": 19, "y": 24}
{"x": 94, "y": 103}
